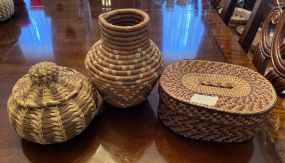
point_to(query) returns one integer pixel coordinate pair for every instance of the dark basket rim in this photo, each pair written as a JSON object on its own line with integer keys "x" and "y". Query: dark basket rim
{"x": 103, "y": 19}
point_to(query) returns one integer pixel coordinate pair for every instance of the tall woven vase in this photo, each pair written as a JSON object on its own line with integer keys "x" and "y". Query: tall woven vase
{"x": 124, "y": 64}
{"x": 6, "y": 9}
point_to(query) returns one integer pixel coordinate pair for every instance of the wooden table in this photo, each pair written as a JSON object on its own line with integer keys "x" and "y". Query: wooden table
{"x": 63, "y": 32}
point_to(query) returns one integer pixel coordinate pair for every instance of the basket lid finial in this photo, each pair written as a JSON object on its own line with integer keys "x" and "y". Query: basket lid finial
{"x": 43, "y": 73}
{"x": 47, "y": 85}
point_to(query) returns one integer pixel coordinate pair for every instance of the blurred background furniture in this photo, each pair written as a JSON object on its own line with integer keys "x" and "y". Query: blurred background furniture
{"x": 276, "y": 50}
{"x": 260, "y": 10}
{"x": 228, "y": 10}
{"x": 253, "y": 12}
{"x": 215, "y": 3}
{"x": 263, "y": 52}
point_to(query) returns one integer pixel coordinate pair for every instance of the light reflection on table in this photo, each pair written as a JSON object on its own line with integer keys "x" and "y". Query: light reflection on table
{"x": 37, "y": 36}
{"x": 183, "y": 31}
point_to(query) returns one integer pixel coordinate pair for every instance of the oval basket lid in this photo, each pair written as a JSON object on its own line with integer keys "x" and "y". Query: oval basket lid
{"x": 46, "y": 85}
{"x": 218, "y": 86}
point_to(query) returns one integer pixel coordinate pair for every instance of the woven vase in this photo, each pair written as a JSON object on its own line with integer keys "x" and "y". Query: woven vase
{"x": 51, "y": 104}
{"x": 6, "y": 9}
{"x": 124, "y": 64}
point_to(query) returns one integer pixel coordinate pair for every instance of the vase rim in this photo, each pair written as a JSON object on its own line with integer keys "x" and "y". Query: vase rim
{"x": 142, "y": 24}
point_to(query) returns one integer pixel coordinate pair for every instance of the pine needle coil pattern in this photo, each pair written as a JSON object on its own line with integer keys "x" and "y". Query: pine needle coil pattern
{"x": 124, "y": 64}
{"x": 51, "y": 104}
{"x": 6, "y": 9}
{"x": 245, "y": 100}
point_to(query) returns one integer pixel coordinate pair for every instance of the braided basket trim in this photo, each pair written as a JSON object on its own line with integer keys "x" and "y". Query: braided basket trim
{"x": 261, "y": 98}
{"x": 32, "y": 91}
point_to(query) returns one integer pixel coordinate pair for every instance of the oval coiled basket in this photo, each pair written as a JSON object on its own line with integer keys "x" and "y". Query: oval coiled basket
{"x": 124, "y": 64}
{"x": 51, "y": 104}
{"x": 214, "y": 101}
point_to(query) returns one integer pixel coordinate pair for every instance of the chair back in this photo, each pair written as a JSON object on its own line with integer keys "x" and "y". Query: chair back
{"x": 262, "y": 54}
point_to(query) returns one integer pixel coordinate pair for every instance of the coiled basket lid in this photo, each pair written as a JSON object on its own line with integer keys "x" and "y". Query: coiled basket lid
{"x": 218, "y": 87}
{"x": 46, "y": 85}
{"x": 51, "y": 104}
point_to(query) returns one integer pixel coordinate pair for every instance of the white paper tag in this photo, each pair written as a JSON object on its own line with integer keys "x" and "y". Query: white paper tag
{"x": 205, "y": 100}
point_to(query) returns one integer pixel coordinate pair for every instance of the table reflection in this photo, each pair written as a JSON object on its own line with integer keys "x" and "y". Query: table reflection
{"x": 9, "y": 33}
{"x": 182, "y": 30}
{"x": 37, "y": 35}
{"x": 115, "y": 132}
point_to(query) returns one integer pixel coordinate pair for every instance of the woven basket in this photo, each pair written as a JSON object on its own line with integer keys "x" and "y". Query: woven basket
{"x": 51, "y": 104}
{"x": 6, "y": 9}
{"x": 124, "y": 64}
{"x": 214, "y": 101}
{"x": 9, "y": 33}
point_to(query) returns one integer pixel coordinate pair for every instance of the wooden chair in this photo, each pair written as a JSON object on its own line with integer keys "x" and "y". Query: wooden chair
{"x": 215, "y": 3}
{"x": 272, "y": 48}
{"x": 281, "y": 2}
{"x": 228, "y": 10}
{"x": 259, "y": 12}
{"x": 263, "y": 53}
{"x": 277, "y": 75}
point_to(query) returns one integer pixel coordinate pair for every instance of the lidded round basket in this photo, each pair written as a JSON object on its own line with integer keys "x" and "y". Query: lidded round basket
{"x": 6, "y": 9}
{"x": 51, "y": 104}
{"x": 124, "y": 64}
{"x": 214, "y": 101}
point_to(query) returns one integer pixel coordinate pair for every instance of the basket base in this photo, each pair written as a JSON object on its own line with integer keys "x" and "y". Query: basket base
{"x": 201, "y": 130}
{"x": 120, "y": 106}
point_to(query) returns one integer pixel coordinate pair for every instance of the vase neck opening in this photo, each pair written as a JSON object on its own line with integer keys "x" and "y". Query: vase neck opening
{"x": 124, "y": 27}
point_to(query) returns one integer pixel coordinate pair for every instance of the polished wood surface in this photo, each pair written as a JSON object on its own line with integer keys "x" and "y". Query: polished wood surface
{"x": 63, "y": 32}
